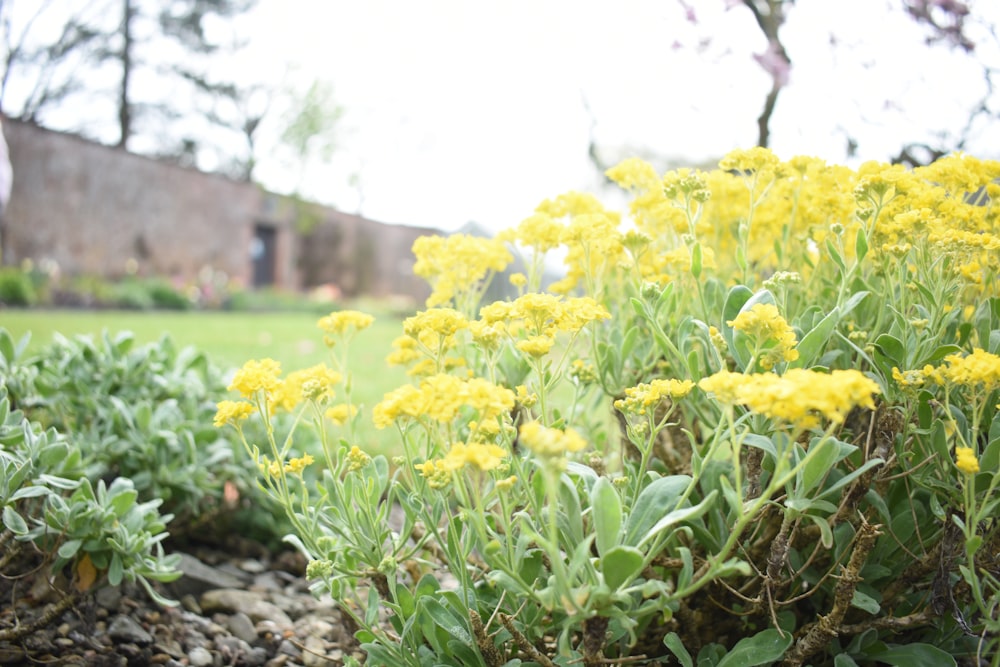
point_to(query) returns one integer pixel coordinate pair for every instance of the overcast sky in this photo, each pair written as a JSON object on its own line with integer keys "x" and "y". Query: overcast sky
{"x": 461, "y": 110}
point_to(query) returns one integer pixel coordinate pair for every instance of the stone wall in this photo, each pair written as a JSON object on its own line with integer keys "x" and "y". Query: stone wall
{"x": 95, "y": 210}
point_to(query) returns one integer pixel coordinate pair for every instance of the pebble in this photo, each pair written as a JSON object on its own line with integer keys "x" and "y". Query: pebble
{"x": 249, "y": 602}
{"x": 200, "y": 657}
{"x": 125, "y": 630}
{"x": 241, "y": 626}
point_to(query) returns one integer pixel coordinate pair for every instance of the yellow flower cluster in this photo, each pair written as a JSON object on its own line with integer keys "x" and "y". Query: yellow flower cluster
{"x": 763, "y": 323}
{"x": 978, "y": 370}
{"x": 341, "y": 413}
{"x": 308, "y": 384}
{"x": 544, "y": 314}
{"x": 965, "y": 459}
{"x": 800, "y": 397}
{"x": 480, "y": 456}
{"x": 640, "y": 398}
{"x": 232, "y": 412}
{"x": 344, "y": 321}
{"x": 440, "y": 397}
{"x": 550, "y": 443}
{"x": 357, "y": 459}
{"x": 457, "y": 264}
{"x": 256, "y": 376}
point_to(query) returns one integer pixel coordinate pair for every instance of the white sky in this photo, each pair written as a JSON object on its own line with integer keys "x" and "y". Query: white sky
{"x": 461, "y": 110}
{"x": 476, "y": 110}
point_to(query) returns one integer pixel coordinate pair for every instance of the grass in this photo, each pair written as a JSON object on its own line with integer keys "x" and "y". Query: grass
{"x": 231, "y": 338}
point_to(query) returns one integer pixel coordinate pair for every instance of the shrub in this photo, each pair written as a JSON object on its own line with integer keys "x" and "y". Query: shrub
{"x": 143, "y": 412}
{"x": 16, "y": 288}
{"x": 96, "y": 537}
{"x": 759, "y": 426}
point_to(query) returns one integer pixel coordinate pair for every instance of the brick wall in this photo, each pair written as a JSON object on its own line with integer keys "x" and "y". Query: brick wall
{"x": 96, "y": 210}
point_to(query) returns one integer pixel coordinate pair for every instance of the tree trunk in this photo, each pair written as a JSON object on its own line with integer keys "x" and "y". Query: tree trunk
{"x": 124, "y": 108}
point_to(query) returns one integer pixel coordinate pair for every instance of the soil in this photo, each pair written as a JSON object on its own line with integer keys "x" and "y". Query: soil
{"x": 239, "y": 605}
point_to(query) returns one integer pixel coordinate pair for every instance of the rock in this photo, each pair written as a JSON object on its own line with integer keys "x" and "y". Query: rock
{"x": 314, "y": 654}
{"x": 241, "y": 626}
{"x": 250, "y": 603}
{"x": 197, "y": 577}
{"x": 124, "y": 630}
{"x": 108, "y": 597}
{"x": 200, "y": 657}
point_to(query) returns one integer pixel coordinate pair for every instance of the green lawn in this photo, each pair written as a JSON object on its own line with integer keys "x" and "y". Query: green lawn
{"x": 231, "y": 338}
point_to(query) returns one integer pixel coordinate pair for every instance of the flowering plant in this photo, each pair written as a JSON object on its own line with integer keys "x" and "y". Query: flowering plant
{"x": 754, "y": 422}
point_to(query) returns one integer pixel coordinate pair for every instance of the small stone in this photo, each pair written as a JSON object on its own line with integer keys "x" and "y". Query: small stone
{"x": 124, "y": 630}
{"x": 241, "y": 626}
{"x": 199, "y": 657}
{"x": 160, "y": 659}
{"x": 190, "y": 604}
{"x": 63, "y": 629}
{"x": 64, "y": 642}
{"x": 277, "y": 661}
{"x": 253, "y": 566}
{"x": 314, "y": 654}
{"x": 252, "y": 604}
{"x": 291, "y": 650}
{"x": 232, "y": 649}
{"x": 256, "y": 657}
{"x": 108, "y": 597}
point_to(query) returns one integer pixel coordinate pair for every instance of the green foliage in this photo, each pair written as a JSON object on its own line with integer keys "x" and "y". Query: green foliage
{"x": 16, "y": 288}
{"x": 703, "y": 457}
{"x": 142, "y": 412}
{"x": 96, "y": 536}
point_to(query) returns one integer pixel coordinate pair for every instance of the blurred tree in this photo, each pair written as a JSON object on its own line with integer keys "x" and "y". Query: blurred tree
{"x": 947, "y": 22}
{"x": 142, "y": 67}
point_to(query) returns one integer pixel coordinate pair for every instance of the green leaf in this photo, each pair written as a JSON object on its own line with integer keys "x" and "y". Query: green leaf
{"x": 621, "y": 565}
{"x": 860, "y": 245}
{"x": 116, "y": 571}
{"x": 890, "y": 351}
{"x": 906, "y": 655}
{"x": 123, "y": 501}
{"x": 762, "y": 649}
{"x": 835, "y": 256}
{"x": 606, "y": 511}
{"x": 653, "y": 502}
{"x": 69, "y": 548}
{"x": 735, "y": 299}
{"x": 822, "y": 455}
{"x": 679, "y": 515}
{"x": 865, "y": 602}
{"x": 673, "y": 642}
{"x": 6, "y": 345}
{"x": 814, "y": 341}
{"x": 13, "y": 521}
{"x": 696, "y": 261}
{"x": 844, "y": 660}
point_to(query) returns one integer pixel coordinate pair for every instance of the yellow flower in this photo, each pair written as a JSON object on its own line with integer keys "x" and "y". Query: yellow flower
{"x": 518, "y": 279}
{"x": 536, "y": 346}
{"x": 297, "y": 465}
{"x": 357, "y": 459}
{"x": 437, "y": 472}
{"x": 507, "y": 483}
{"x": 764, "y": 323}
{"x": 339, "y": 414}
{"x": 477, "y": 455}
{"x": 308, "y": 384}
{"x": 980, "y": 369}
{"x": 550, "y": 443}
{"x": 256, "y": 376}
{"x": 457, "y": 264}
{"x": 965, "y": 459}
{"x": 800, "y": 397}
{"x": 232, "y": 412}
{"x": 343, "y": 321}
{"x": 440, "y": 398}
{"x": 639, "y": 398}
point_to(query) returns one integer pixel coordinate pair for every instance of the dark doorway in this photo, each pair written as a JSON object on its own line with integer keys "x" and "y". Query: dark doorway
{"x": 263, "y": 255}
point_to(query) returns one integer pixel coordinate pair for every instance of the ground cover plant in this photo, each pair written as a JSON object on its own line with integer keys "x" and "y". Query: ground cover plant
{"x": 755, "y": 423}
